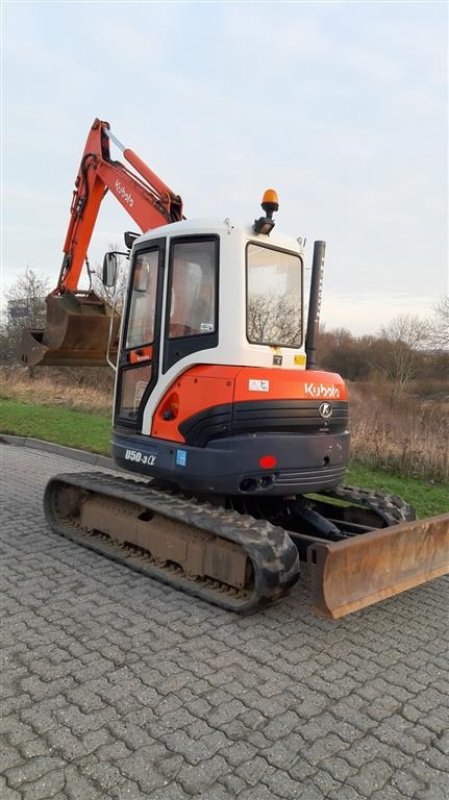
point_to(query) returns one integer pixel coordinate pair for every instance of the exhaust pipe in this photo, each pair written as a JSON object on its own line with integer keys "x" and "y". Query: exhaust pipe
{"x": 316, "y": 291}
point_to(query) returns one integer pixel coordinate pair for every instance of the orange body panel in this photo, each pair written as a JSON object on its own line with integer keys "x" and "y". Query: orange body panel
{"x": 195, "y": 390}
{"x": 204, "y": 387}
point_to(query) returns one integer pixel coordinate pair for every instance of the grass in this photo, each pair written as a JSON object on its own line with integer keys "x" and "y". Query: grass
{"x": 82, "y": 429}
{"x": 91, "y": 431}
{"x": 427, "y": 498}
{"x": 408, "y": 438}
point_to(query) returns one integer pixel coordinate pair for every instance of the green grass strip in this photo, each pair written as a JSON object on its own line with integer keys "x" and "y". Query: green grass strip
{"x": 71, "y": 427}
{"x": 428, "y": 499}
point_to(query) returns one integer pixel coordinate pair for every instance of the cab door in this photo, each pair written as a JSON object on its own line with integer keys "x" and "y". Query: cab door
{"x": 140, "y": 345}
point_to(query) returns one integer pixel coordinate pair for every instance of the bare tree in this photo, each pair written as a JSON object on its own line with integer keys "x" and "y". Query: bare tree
{"x": 405, "y": 337}
{"x": 25, "y": 308}
{"x": 440, "y": 324}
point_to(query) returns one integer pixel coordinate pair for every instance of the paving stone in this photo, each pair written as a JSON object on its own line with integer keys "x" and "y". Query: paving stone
{"x": 197, "y": 779}
{"x": 281, "y": 784}
{"x": 216, "y": 792}
{"x": 253, "y": 771}
{"x": 258, "y": 793}
{"x": 9, "y": 757}
{"x": 233, "y": 785}
{"x": 139, "y": 766}
{"x": 435, "y": 758}
{"x": 105, "y": 775}
{"x": 389, "y": 792}
{"x": 371, "y": 777}
{"x": 129, "y": 790}
{"x": 113, "y": 751}
{"x": 170, "y": 764}
{"x": 15, "y": 731}
{"x": 116, "y": 687}
{"x": 284, "y": 752}
{"x": 344, "y": 792}
{"x": 45, "y": 787}
{"x": 239, "y": 752}
{"x": 173, "y": 791}
{"x": 6, "y": 793}
{"x": 206, "y": 747}
{"x": 429, "y": 777}
{"x": 338, "y": 768}
{"x": 35, "y": 747}
{"x": 432, "y": 793}
{"x": 32, "y": 770}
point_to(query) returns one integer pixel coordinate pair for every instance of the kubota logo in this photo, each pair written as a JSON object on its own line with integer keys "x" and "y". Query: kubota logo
{"x": 315, "y": 390}
{"x": 124, "y": 195}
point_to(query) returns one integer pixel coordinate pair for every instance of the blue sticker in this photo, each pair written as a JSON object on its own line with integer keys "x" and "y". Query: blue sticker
{"x": 181, "y": 458}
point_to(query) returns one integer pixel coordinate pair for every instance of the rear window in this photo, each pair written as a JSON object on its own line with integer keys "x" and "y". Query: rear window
{"x": 274, "y": 297}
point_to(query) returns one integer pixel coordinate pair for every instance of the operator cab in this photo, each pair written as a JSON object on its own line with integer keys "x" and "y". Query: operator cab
{"x": 206, "y": 293}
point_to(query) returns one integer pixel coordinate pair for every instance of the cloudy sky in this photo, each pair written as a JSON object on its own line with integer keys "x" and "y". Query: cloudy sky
{"x": 341, "y": 106}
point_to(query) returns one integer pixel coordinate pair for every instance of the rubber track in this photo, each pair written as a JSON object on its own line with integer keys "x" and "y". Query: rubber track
{"x": 273, "y": 554}
{"x": 389, "y": 507}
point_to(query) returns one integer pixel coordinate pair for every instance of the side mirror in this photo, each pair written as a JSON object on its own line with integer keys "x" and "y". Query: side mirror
{"x": 109, "y": 274}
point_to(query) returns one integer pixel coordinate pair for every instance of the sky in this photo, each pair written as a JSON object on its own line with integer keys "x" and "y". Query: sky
{"x": 342, "y": 107}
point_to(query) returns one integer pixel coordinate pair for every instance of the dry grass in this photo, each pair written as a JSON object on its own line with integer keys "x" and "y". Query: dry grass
{"x": 51, "y": 387}
{"x": 410, "y": 437}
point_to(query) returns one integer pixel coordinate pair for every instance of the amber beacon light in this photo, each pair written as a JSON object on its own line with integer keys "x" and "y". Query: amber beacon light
{"x": 270, "y": 204}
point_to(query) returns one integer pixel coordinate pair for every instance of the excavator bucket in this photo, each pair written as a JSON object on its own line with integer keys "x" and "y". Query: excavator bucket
{"x": 76, "y": 333}
{"x": 357, "y": 572}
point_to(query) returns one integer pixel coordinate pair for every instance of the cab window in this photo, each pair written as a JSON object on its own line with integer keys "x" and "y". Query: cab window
{"x": 274, "y": 297}
{"x": 193, "y": 289}
{"x": 142, "y": 306}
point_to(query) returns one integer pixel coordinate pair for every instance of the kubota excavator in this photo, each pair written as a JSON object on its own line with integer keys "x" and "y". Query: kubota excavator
{"x": 218, "y": 402}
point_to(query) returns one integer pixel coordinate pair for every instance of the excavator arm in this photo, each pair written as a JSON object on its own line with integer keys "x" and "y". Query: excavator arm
{"x": 79, "y": 324}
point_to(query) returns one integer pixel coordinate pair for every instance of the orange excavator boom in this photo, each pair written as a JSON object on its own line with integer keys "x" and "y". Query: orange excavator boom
{"x": 78, "y": 324}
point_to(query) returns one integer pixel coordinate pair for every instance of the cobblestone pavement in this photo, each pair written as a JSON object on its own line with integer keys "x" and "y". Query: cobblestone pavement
{"x": 115, "y": 686}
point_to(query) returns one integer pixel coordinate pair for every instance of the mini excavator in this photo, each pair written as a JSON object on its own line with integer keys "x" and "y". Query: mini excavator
{"x": 237, "y": 441}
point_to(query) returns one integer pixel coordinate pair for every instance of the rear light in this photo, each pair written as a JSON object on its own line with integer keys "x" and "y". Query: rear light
{"x": 268, "y": 462}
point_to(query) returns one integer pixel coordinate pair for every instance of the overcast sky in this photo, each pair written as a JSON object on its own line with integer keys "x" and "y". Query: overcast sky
{"x": 340, "y": 106}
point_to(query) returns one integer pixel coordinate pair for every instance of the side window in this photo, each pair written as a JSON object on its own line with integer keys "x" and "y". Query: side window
{"x": 193, "y": 289}
{"x": 142, "y": 304}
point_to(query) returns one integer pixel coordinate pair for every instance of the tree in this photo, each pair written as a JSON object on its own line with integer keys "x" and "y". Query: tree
{"x": 340, "y": 351}
{"x": 405, "y": 338}
{"x": 440, "y": 324}
{"x": 25, "y": 308}
{"x": 116, "y": 292}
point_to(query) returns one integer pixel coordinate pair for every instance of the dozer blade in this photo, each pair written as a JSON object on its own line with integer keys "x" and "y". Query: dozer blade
{"x": 76, "y": 333}
{"x": 357, "y": 572}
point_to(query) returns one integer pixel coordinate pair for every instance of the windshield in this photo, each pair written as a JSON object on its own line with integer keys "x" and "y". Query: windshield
{"x": 274, "y": 297}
